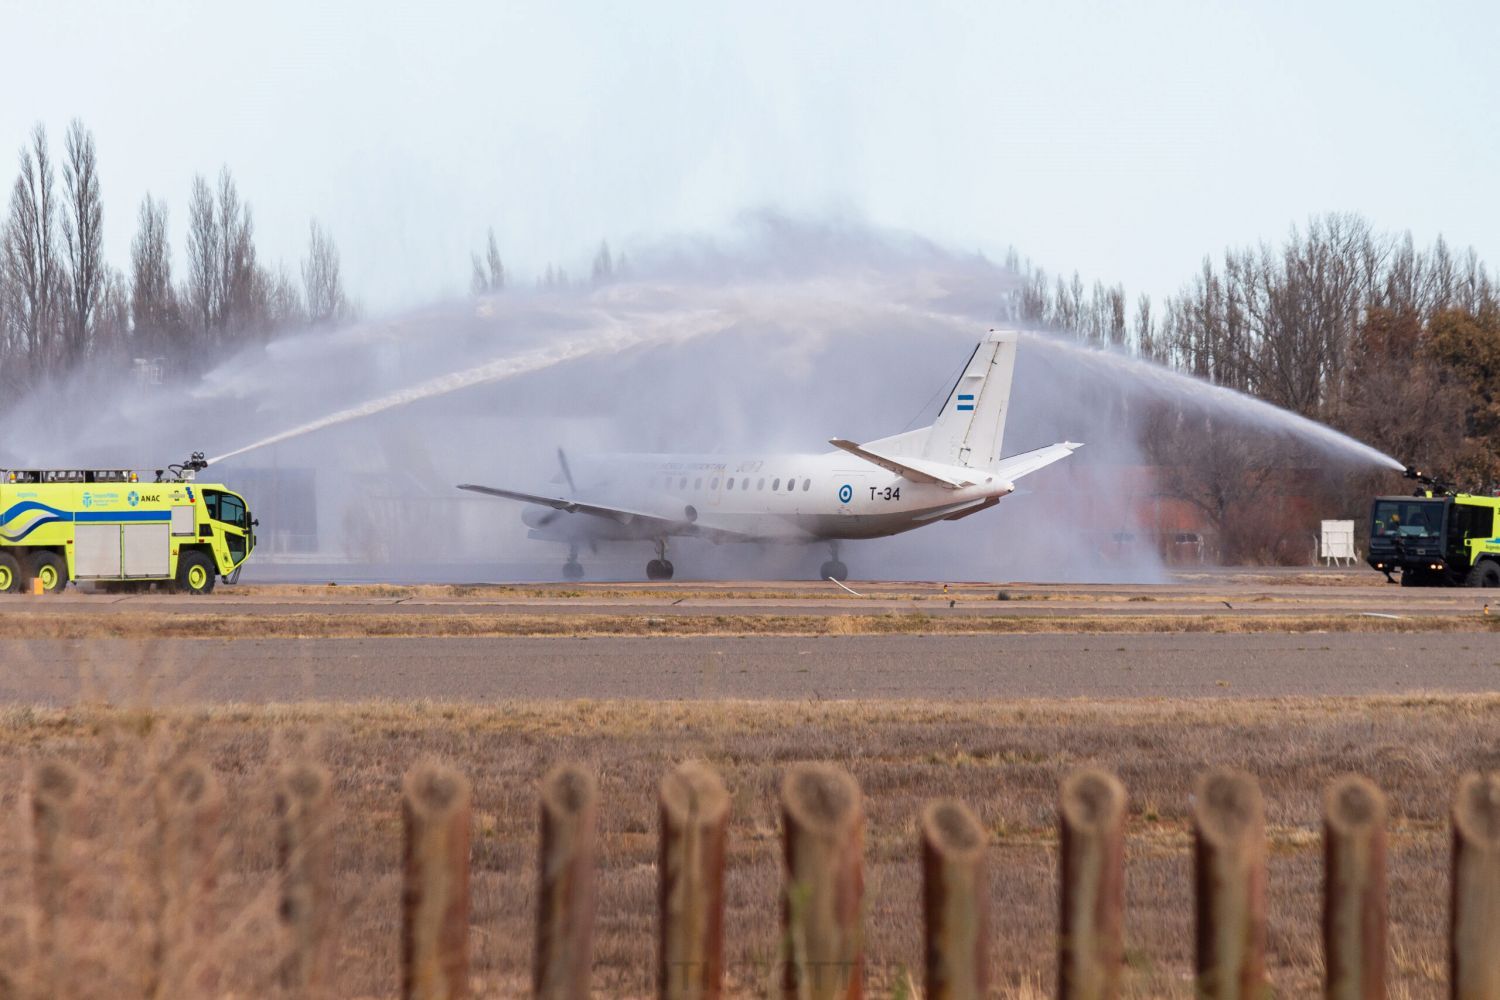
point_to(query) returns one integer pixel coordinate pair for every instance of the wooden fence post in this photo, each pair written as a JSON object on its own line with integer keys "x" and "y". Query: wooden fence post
{"x": 1474, "y": 942}
{"x": 565, "y": 898}
{"x": 824, "y": 849}
{"x": 1354, "y": 896}
{"x": 955, "y": 902}
{"x": 1229, "y": 854}
{"x": 304, "y": 861}
{"x": 56, "y": 797}
{"x": 189, "y": 813}
{"x": 436, "y": 807}
{"x": 690, "y": 870}
{"x": 1091, "y": 884}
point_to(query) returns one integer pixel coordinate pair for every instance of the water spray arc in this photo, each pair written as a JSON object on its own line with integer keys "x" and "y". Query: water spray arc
{"x": 495, "y": 370}
{"x": 1177, "y": 386}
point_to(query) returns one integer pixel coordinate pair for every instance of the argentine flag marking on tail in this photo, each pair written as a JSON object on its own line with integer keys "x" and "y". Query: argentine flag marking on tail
{"x": 965, "y": 401}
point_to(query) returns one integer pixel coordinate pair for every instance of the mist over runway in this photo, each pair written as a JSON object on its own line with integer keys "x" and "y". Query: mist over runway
{"x": 348, "y": 443}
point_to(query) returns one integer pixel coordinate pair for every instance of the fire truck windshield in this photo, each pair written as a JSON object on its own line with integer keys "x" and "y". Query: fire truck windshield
{"x": 1408, "y": 519}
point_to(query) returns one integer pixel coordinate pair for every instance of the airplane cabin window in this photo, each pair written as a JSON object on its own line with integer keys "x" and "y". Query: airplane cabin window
{"x": 761, "y": 485}
{"x": 698, "y": 483}
{"x": 682, "y": 483}
{"x": 713, "y": 483}
{"x": 729, "y": 483}
{"x": 775, "y": 485}
{"x": 806, "y": 485}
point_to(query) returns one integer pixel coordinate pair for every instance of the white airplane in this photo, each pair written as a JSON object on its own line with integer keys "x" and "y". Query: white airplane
{"x": 939, "y": 473}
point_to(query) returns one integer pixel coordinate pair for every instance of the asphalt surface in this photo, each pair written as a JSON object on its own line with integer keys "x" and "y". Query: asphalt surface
{"x": 1147, "y": 664}
{"x": 1245, "y": 595}
{"x": 1116, "y": 666}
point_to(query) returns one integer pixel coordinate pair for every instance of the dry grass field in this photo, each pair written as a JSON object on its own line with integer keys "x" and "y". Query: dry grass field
{"x": 1005, "y": 759}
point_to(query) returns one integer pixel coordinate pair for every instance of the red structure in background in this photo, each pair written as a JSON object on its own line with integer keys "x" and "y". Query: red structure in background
{"x": 1122, "y": 513}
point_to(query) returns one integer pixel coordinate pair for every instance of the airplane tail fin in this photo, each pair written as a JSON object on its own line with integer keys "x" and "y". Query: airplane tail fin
{"x": 971, "y": 427}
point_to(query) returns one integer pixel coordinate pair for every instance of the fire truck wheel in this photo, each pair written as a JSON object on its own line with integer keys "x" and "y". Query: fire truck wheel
{"x": 1484, "y": 574}
{"x": 49, "y": 568}
{"x": 195, "y": 573}
{"x": 10, "y": 573}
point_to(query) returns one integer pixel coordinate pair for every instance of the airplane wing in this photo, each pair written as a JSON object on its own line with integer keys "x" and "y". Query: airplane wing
{"x": 1025, "y": 464}
{"x": 915, "y": 469}
{"x": 620, "y": 515}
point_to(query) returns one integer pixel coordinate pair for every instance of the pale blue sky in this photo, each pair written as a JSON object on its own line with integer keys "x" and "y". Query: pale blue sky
{"x": 1124, "y": 140}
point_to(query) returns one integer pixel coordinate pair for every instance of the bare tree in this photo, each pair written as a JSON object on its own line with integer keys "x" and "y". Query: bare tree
{"x": 604, "y": 267}
{"x": 489, "y": 274}
{"x": 243, "y": 287}
{"x": 31, "y": 255}
{"x": 1225, "y": 471}
{"x": 9, "y": 336}
{"x": 204, "y": 264}
{"x": 82, "y": 226}
{"x": 324, "y": 289}
{"x": 111, "y": 321}
{"x": 1145, "y": 334}
{"x": 159, "y": 330}
{"x": 280, "y": 301}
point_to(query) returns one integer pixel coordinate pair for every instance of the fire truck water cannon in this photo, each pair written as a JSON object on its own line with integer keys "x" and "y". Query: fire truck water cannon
{"x": 187, "y": 471}
{"x": 1435, "y": 485}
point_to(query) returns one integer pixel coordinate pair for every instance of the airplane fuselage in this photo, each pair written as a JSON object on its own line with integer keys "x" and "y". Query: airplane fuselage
{"x": 790, "y": 498}
{"x": 945, "y": 471}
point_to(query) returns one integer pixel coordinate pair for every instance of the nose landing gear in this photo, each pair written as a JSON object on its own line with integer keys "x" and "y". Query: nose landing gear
{"x": 661, "y": 567}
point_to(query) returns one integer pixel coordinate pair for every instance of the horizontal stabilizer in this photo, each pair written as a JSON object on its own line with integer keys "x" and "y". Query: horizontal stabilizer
{"x": 1025, "y": 464}
{"x": 915, "y": 469}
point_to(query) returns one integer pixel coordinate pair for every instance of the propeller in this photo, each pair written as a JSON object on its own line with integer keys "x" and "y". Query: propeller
{"x": 562, "y": 460}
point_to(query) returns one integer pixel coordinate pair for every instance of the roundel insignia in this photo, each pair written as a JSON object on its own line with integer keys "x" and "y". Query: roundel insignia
{"x": 846, "y": 493}
{"x": 133, "y": 498}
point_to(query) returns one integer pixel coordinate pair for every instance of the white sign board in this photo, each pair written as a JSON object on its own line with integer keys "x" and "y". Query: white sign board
{"x": 1337, "y": 543}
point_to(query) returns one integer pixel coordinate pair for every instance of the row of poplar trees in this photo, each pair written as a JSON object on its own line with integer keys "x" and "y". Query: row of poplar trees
{"x": 62, "y": 304}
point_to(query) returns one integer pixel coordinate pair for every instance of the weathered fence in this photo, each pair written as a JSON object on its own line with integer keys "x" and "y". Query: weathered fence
{"x": 822, "y": 895}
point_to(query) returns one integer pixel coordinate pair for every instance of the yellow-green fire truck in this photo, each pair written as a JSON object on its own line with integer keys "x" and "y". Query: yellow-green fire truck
{"x": 1438, "y": 537}
{"x": 107, "y": 526}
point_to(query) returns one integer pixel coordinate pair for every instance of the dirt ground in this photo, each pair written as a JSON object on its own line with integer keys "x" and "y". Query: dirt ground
{"x": 1003, "y": 758}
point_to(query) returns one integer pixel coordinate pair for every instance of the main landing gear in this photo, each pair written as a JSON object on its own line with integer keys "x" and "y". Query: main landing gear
{"x": 660, "y": 568}
{"x": 834, "y": 569}
{"x": 573, "y": 569}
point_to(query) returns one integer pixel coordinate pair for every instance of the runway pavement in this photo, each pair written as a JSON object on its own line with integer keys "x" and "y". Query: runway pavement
{"x": 1242, "y": 595}
{"x": 864, "y": 667}
{"x": 1462, "y": 655}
